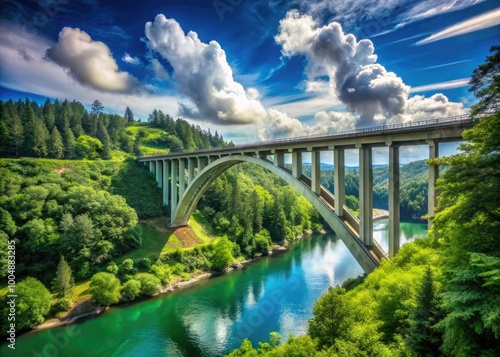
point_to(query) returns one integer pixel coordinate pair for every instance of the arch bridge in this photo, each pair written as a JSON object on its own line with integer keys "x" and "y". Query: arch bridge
{"x": 185, "y": 176}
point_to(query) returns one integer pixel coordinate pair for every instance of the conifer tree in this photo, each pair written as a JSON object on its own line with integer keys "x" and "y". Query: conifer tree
{"x": 69, "y": 144}
{"x": 63, "y": 282}
{"x": 103, "y": 136}
{"x": 129, "y": 115}
{"x": 56, "y": 146}
{"x": 423, "y": 337}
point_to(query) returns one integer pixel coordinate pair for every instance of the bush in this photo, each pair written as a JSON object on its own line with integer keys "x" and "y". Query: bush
{"x": 144, "y": 264}
{"x": 131, "y": 289}
{"x": 150, "y": 284}
{"x": 61, "y": 306}
{"x": 105, "y": 288}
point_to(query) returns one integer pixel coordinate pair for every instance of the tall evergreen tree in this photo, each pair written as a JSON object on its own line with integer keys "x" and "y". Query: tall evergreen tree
{"x": 69, "y": 144}
{"x": 49, "y": 114}
{"x": 103, "y": 136}
{"x": 423, "y": 337}
{"x": 129, "y": 115}
{"x": 63, "y": 281}
{"x": 56, "y": 146}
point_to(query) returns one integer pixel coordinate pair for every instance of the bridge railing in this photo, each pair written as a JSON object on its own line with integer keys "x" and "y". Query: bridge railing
{"x": 382, "y": 129}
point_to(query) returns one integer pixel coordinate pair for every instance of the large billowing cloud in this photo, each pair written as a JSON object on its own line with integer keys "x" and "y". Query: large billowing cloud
{"x": 90, "y": 62}
{"x": 203, "y": 75}
{"x": 343, "y": 65}
{"x": 347, "y": 68}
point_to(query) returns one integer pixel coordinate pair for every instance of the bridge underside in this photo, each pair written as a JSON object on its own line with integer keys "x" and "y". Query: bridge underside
{"x": 184, "y": 178}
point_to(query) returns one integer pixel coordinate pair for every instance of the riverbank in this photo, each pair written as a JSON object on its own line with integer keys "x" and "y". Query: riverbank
{"x": 76, "y": 315}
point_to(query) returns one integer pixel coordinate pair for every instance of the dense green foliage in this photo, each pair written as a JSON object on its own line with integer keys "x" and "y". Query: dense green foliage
{"x": 485, "y": 83}
{"x": 252, "y": 207}
{"x": 105, "y": 288}
{"x": 54, "y": 208}
{"x": 32, "y": 304}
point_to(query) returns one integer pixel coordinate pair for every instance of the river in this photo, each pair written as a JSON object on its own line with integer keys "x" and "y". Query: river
{"x": 213, "y": 317}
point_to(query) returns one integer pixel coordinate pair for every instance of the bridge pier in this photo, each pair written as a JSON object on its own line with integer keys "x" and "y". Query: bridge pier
{"x": 315, "y": 172}
{"x": 166, "y": 176}
{"x": 182, "y": 176}
{"x": 158, "y": 171}
{"x": 151, "y": 167}
{"x": 279, "y": 158}
{"x": 394, "y": 205}
{"x": 175, "y": 174}
{"x": 296, "y": 163}
{"x": 191, "y": 165}
{"x": 339, "y": 180}
{"x": 366, "y": 194}
{"x": 433, "y": 176}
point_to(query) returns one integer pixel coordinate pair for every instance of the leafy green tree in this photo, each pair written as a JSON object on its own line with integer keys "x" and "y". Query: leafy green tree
{"x": 56, "y": 146}
{"x": 150, "y": 284}
{"x": 223, "y": 256}
{"x": 131, "y": 289}
{"x": 127, "y": 267}
{"x": 105, "y": 288}
{"x": 485, "y": 83}
{"x": 32, "y": 303}
{"x": 332, "y": 318}
{"x": 88, "y": 147}
{"x": 63, "y": 281}
{"x": 423, "y": 337}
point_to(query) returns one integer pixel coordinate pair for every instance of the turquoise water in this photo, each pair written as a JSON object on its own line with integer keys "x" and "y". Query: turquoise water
{"x": 213, "y": 317}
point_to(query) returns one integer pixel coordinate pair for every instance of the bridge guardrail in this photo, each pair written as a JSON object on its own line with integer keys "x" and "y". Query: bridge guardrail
{"x": 465, "y": 119}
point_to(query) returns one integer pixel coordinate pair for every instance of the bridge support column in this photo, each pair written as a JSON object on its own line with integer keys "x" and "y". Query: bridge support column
{"x": 315, "y": 172}
{"x": 296, "y": 164}
{"x": 151, "y": 167}
{"x": 191, "y": 165}
{"x": 166, "y": 175}
{"x": 366, "y": 195}
{"x": 339, "y": 180}
{"x": 433, "y": 176}
{"x": 182, "y": 176}
{"x": 173, "y": 181}
{"x": 394, "y": 209}
{"x": 201, "y": 163}
{"x": 159, "y": 173}
{"x": 279, "y": 158}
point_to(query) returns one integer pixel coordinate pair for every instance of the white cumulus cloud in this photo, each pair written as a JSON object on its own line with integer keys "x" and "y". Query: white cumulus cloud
{"x": 90, "y": 62}
{"x": 203, "y": 75}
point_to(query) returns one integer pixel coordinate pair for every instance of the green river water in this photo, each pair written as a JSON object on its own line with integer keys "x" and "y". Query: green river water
{"x": 213, "y": 317}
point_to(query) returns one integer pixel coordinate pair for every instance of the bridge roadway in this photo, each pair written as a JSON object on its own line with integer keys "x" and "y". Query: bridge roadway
{"x": 185, "y": 176}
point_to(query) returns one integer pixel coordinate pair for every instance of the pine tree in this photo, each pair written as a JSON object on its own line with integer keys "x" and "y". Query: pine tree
{"x": 56, "y": 146}
{"x": 69, "y": 144}
{"x": 423, "y": 338}
{"x": 63, "y": 282}
{"x": 129, "y": 115}
{"x": 103, "y": 136}
{"x": 49, "y": 114}
{"x": 16, "y": 131}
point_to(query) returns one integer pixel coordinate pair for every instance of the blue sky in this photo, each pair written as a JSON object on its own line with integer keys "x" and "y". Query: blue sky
{"x": 251, "y": 69}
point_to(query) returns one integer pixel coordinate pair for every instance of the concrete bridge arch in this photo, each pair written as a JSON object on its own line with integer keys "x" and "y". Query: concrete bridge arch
{"x": 188, "y": 201}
